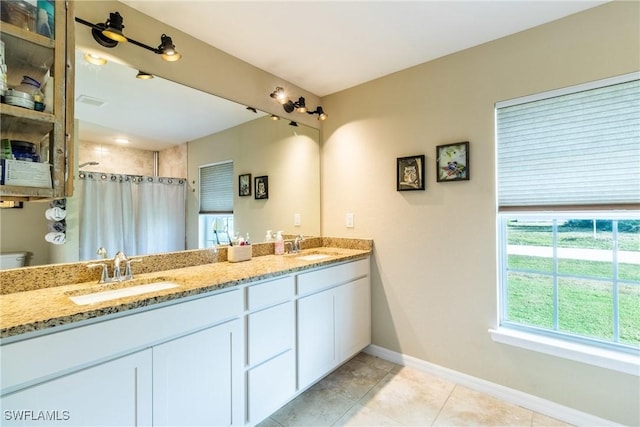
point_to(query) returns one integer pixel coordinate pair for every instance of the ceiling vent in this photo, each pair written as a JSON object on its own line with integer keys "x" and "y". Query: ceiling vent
{"x": 88, "y": 100}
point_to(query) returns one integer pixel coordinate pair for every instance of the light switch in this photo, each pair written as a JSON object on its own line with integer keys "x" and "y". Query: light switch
{"x": 296, "y": 219}
{"x": 350, "y": 220}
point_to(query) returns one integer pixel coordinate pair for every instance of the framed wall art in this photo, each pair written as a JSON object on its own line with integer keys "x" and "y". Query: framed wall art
{"x": 410, "y": 175}
{"x": 244, "y": 184}
{"x": 262, "y": 187}
{"x": 452, "y": 162}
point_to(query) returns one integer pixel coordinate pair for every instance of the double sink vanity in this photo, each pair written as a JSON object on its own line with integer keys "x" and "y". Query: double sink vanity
{"x": 188, "y": 341}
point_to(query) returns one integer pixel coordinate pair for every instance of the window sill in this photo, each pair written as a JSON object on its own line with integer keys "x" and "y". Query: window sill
{"x": 609, "y": 359}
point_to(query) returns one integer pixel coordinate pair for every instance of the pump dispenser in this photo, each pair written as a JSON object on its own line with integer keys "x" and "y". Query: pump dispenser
{"x": 279, "y": 244}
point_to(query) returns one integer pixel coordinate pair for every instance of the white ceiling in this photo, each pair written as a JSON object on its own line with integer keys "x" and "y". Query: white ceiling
{"x": 321, "y": 46}
{"x": 328, "y": 46}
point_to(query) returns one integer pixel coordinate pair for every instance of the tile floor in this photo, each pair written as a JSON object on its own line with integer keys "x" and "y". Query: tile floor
{"x": 369, "y": 391}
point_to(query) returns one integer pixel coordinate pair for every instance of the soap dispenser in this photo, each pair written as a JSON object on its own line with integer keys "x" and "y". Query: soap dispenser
{"x": 279, "y": 245}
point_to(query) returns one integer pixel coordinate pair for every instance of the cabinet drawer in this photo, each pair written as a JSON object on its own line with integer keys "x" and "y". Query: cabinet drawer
{"x": 270, "y": 386}
{"x": 270, "y": 293}
{"x": 328, "y": 277}
{"x": 270, "y": 332}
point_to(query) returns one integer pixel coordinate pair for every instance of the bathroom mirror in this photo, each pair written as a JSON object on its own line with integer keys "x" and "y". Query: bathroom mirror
{"x": 256, "y": 144}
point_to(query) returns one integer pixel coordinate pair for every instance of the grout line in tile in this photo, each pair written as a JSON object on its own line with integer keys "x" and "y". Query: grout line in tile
{"x": 444, "y": 404}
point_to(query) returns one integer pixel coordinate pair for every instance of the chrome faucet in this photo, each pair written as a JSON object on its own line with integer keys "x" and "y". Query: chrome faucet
{"x": 120, "y": 258}
{"x": 117, "y": 266}
{"x": 118, "y": 276}
{"x": 296, "y": 243}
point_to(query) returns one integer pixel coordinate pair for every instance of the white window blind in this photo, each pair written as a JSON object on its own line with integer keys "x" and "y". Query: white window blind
{"x": 577, "y": 148}
{"x": 216, "y": 188}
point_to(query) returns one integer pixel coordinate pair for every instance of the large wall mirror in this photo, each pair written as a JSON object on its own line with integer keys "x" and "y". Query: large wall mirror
{"x": 213, "y": 130}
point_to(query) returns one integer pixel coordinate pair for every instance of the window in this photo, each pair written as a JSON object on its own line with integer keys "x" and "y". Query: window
{"x": 568, "y": 174}
{"x": 216, "y": 204}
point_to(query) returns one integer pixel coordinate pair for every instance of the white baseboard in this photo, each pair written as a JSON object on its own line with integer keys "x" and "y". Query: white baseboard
{"x": 525, "y": 400}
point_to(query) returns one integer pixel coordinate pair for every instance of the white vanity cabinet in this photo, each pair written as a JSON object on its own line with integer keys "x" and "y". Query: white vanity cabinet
{"x": 271, "y": 358}
{"x": 232, "y": 357}
{"x": 333, "y": 317}
{"x": 114, "y": 393}
{"x": 193, "y": 380}
{"x": 173, "y": 365}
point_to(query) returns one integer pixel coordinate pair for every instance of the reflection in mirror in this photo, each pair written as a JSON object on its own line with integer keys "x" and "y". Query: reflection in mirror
{"x": 212, "y": 130}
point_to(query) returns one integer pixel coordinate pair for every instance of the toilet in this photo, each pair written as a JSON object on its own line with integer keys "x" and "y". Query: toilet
{"x": 12, "y": 260}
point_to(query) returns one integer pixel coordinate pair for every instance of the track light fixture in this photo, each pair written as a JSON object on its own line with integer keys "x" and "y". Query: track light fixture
{"x": 292, "y": 123}
{"x": 300, "y": 106}
{"x": 110, "y": 34}
{"x": 113, "y": 28}
{"x": 143, "y": 75}
{"x": 320, "y": 112}
{"x": 167, "y": 49}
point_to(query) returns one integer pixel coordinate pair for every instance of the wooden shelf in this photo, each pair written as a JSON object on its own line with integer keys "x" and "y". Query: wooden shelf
{"x": 46, "y": 60}
{"x": 18, "y": 193}
{"x": 26, "y": 53}
{"x": 13, "y": 33}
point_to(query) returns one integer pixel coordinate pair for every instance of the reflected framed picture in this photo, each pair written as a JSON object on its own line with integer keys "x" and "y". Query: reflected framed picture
{"x": 244, "y": 184}
{"x": 452, "y": 162}
{"x": 410, "y": 174}
{"x": 262, "y": 187}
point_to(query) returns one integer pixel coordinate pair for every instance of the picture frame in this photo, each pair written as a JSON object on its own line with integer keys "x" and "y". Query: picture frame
{"x": 244, "y": 184}
{"x": 452, "y": 162}
{"x": 261, "y": 187}
{"x": 410, "y": 173}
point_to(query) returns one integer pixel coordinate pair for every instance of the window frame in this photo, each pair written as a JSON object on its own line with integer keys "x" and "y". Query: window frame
{"x": 596, "y": 352}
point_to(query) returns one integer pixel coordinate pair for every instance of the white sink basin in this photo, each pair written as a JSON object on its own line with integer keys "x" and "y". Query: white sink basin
{"x": 313, "y": 257}
{"x": 108, "y": 295}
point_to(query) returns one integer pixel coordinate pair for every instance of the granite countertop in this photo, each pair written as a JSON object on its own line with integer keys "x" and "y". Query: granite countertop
{"x": 40, "y": 309}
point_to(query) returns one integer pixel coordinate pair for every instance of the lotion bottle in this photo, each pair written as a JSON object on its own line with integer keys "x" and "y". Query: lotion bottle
{"x": 279, "y": 244}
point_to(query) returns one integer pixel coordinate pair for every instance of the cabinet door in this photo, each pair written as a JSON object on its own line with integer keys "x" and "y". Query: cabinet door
{"x": 194, "y": 378}
{"x": 353, "y": 318}
{"x": 269, "y": 386}
{"x": 115, "y": 393}
{"x": 316, "y": 342}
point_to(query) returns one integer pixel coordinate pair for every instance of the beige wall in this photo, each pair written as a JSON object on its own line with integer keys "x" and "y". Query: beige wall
{"x": 434, "y": 266}
{"x": 289, "y": 156}
{"x": 23, "y": 230}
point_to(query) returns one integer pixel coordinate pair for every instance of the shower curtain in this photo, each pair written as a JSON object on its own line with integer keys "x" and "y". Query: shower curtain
{"x": 135, "y": 214}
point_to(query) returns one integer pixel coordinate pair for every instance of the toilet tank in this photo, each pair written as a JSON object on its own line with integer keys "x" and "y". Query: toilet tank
{"x": 12, "y": 260}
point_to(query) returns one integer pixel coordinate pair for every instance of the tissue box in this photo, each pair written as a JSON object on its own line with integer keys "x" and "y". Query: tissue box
{"x": 25, "y": 174}
{"x": 239, "y": 253}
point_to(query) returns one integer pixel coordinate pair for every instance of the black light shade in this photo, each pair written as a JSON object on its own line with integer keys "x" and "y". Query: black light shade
{"x": 292, "y": 123}
{"x": 301, "y": 107}
{"x": 289, "y": 106}
{"x": 113, "y": 28}
{"x": 102, "y": 40}
{"x": 320, "y": 112}
{"x": 168, "y": 49}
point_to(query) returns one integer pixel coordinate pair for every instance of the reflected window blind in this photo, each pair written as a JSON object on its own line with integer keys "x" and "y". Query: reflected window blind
{"x": 577, "y": 148}
{"x": 216, "y": 189}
